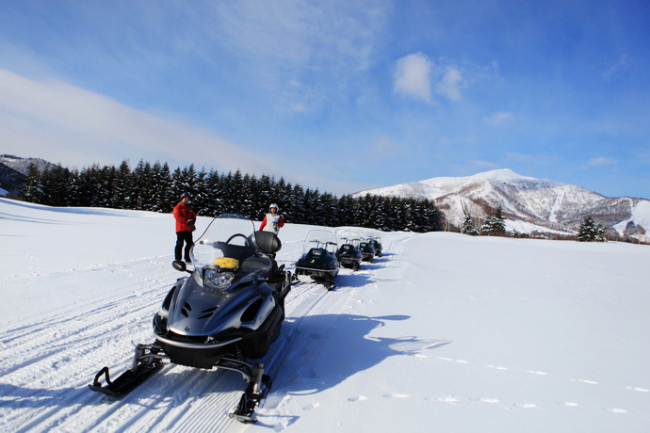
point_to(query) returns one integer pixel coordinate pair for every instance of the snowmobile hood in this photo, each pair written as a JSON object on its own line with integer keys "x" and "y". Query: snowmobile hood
{"x": 199, "y": 312}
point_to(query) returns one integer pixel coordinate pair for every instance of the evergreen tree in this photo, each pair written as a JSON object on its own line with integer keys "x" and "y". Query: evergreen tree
{"x": 494, "y": 225}
{"x": 161, "y": 185}
{"x": 468, "y": 227}
{"x": 589, "y": 232}
{"x": 600, "y": 233}
{"x": 121, "y": 198}
{"x": 31, "y": 189}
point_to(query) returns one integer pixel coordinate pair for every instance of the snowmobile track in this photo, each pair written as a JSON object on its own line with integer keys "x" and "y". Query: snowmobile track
{"x": 50, "y": 362}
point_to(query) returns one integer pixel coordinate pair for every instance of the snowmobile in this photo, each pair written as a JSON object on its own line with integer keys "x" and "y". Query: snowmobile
{"x": 319, "y": 257}
{"x": 349, "y": 254}
{"x": 376, "y": 244}
{"x": 224, "y": 315}
{"x": 367, "y": 251}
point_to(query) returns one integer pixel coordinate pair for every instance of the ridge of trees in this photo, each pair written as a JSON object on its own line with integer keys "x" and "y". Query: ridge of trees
{"x": 155, "y": 188}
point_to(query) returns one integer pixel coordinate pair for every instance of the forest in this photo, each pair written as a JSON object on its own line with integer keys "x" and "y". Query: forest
{"x": 156, "y": 188}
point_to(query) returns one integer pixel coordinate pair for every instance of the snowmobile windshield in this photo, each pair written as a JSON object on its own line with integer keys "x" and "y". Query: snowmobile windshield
{"x": 225, "y": 244}
{"x": 320, "y": 239}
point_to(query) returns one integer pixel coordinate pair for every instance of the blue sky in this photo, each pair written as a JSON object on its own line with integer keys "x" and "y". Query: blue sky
{"x": 336, "y": 95}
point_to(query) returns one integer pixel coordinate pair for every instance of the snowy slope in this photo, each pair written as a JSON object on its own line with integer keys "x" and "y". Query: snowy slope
{"x": 542, "y": 203}
{"x": 444, "y": 333}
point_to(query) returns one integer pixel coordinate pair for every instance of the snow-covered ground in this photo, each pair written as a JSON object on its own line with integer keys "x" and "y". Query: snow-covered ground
{"x": 445, "y": 332}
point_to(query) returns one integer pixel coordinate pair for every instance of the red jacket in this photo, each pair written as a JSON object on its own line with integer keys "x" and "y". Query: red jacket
{"x": 183, "y": 213}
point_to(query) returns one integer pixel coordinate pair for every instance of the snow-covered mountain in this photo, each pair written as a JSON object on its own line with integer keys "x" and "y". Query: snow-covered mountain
{"x": 540, "y": 202}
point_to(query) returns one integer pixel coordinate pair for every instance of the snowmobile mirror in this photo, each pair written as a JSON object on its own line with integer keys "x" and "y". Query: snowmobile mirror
{"x": 268, "y": 242}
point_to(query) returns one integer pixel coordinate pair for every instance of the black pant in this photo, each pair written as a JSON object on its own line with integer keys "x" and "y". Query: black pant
{"x": 180, "y": 238}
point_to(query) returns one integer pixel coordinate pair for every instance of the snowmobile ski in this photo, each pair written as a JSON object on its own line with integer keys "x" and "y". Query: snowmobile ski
{"x": 251, "y": 398}
{"x": 130, "y": 379}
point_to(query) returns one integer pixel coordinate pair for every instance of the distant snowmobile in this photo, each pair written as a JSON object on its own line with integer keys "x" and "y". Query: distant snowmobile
{"x": 349, "y": 254}
{"x": 319, "y": 257}
{"x": 367, "y": 251}
{"x": 227, "y": 312}
{"x": 375, "y": 241}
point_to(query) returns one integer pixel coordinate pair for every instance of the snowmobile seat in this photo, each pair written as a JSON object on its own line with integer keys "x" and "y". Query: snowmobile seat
{"x": 268, "y": 242}
{"x": 346, "y": 249}
{"x": 262, "y": 266}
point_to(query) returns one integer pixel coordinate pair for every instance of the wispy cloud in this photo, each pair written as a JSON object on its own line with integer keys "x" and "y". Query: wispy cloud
{"x": 600, "y": 161}
{"x": 618, "y": 67}
{"x": 413, "y": 77}
{"x": 49, "y": 119}
{"x": 500, "y": 118}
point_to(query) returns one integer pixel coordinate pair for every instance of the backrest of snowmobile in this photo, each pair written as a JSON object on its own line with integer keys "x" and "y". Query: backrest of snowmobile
{"x": 346, "y": 248}
{"x": 268, "y": 242}
{"x": 316, "y": 253}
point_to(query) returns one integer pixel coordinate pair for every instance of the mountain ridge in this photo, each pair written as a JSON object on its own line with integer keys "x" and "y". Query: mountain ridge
{"x": 548, "y": 204}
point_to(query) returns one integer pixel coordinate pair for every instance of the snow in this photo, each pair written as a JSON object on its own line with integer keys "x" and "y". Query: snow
{"x": 445, "y": 332}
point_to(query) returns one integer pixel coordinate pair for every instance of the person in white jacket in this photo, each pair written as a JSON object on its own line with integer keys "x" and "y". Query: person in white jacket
{"x": 273, "y": 221}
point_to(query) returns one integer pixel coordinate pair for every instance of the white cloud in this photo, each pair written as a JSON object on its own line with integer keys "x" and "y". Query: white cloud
{"x": 416, "y": 75}
{"x": 595, "y": 162}
{"x": 451, "y": 83}
{"x": 500, "y": 118}
{"x": 412, "y": 77}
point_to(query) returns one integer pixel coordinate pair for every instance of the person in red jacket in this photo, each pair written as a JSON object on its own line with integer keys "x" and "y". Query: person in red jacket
{"x": 272, "y": 221}
{"x": 185, "y": 220}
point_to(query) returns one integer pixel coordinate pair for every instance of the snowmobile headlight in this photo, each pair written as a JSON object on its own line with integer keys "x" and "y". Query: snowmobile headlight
{"x": 218, "y": 280}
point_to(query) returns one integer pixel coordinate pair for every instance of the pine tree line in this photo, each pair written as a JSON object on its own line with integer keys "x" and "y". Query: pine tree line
{"x": 156, "y": 188}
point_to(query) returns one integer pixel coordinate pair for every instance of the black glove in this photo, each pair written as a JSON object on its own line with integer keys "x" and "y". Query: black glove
{"x": 192, "y": 225}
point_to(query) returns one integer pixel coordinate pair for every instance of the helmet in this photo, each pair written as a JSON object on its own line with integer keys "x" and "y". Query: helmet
{"x": 186, "y": 194}
{"x": 273, "y": 205}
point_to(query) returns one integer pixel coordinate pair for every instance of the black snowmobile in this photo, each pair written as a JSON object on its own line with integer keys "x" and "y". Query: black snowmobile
{"x": 227, "y": 312}
{"x": 376, "y": 244}
{"x": 367, "y": 251}
{"x": 349, "y": 254}
{"x": 319, "y": 257}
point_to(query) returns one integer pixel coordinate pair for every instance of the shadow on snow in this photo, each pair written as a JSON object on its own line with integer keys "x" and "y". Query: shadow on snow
{"x": 325, "y": 350}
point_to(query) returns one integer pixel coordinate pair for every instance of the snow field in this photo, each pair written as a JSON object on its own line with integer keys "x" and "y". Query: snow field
{"x": 445, "y": 332}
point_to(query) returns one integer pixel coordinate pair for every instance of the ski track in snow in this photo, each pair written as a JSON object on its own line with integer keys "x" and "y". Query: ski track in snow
{"x": 50, "y": 363}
